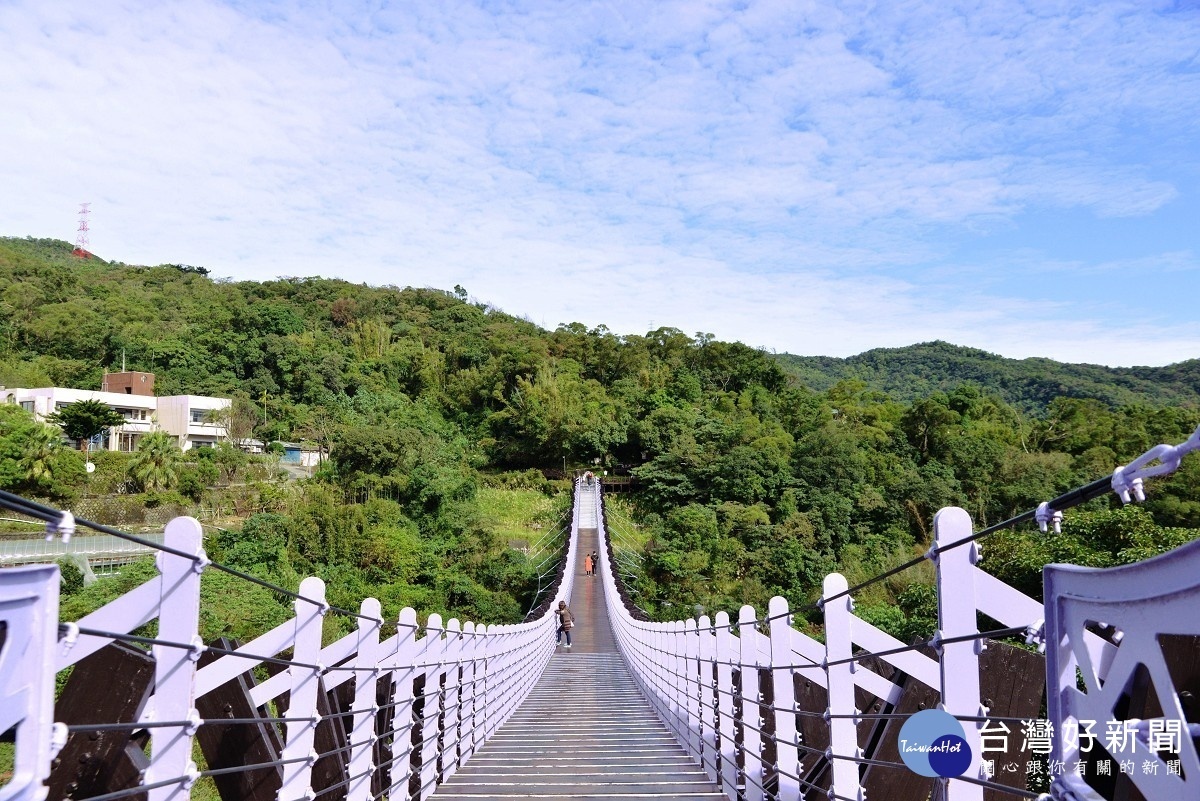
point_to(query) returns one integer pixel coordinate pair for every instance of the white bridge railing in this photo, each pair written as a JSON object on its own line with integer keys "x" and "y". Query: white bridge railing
{"x": 772, "y": 713}
{"x": 769, "y": 711}
{"x": 449, "y": 686}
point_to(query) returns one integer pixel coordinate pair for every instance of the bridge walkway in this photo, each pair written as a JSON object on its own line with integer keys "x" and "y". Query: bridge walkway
{"x": 586, "y": 731}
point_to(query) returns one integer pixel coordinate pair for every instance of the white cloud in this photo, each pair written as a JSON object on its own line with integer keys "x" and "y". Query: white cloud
{"x": 791, "y": 174}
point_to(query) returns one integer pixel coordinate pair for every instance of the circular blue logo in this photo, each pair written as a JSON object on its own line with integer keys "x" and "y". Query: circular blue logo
{"x": 932, "y": 743}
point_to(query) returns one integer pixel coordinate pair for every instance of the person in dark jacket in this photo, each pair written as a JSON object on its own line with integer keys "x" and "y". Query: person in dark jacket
{"x": 565, "y": 622}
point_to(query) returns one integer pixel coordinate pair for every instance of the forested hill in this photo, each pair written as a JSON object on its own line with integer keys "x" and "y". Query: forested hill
{"x": 749, "y": 484}
{"x": 918, "y": 370}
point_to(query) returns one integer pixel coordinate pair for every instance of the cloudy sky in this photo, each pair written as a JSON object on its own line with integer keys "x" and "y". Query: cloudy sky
{"x": 806, "y": 176}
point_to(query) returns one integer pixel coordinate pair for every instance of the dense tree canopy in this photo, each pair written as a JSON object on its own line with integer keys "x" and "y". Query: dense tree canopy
{"x": 756, "y": 474}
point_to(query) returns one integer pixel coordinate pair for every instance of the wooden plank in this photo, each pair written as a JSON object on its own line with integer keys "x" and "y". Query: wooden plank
{"x": 1012, "y": 682}
{"x": 330, "y": 740}
{"x": 111, "y": 685}
{"x": 238, "y": 744}
{"x": 814, "y": 733}
{"x": 881, "y": 782}
{"x": 586, "y": 731}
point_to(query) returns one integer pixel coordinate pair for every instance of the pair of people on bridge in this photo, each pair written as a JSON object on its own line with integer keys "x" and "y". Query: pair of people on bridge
{"x": 590, "y": 562}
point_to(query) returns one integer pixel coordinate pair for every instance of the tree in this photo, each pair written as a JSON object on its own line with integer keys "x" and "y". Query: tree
{"x": 84, "y": 419}
{"x": 238, "y": 418}
{"x": 32, "y": 458}
{"x": 229, "y": 459}
{"x": 155, "y": 466}
{"x": 40, "y": 447}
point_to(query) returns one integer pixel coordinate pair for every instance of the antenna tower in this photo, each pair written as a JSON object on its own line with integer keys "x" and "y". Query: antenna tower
{"x": 81, "y": 238}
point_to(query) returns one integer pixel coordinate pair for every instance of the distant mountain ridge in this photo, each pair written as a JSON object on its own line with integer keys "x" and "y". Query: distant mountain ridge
{"x": 917, "y": 370}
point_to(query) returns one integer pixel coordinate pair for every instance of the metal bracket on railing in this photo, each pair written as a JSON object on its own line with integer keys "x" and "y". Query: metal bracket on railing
{"x": 58, "y": 738}
{"x": 1127, "y": 489}
{"x": 1127, "y": 480}
{"x": 1035, "y": 634}
{"x": 1046, "y": 517}
{"x": 65, "y": 526}
{"x": 68, "y": 635}
{"x": 196, "y": 649}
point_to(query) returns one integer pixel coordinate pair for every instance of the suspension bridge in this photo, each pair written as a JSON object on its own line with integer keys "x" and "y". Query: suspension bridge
{"x": 745, "y": 707}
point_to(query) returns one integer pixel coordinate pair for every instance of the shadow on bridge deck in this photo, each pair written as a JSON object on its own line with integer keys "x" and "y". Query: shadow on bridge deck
{"x": 585, "y": 732}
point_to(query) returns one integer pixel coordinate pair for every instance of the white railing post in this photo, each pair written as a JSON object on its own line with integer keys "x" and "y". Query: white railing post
{"x": 499, "y": 683}
{"x": 453, "y": 698}
{"x": 310, "y": 611}
{"x": 510, "y": 673}
{"x": 839, "y": 679}
{"x": 693, "y": 687}
{"x": 431, "y": 655}
{"x": 707, "y": 658}
{"x": 29, "y": 610}
{"x": 403, "y": 665}
{"x": 751, "y": 702}
{"x": 957, "y": 605}
{"x": 784, "y": 691}
{"x": 487, "y": 669}
{"x": 672, "y": 690}
{"x": 653, "y": 650}
{"x": 362, "y": 732}
{"x": 726, "y": 654}
{"x": 175, "y": 668}
{"x": 468, "y": 741}
{"x": 664, "y": 656}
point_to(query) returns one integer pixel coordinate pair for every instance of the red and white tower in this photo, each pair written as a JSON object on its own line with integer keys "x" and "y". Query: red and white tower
{"x": 81, "y": 238}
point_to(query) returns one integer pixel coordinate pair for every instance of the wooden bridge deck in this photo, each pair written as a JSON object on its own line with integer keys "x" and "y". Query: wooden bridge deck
{"x": 586, "y": 731}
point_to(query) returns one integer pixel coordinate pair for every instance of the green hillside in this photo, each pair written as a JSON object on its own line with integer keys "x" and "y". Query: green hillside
{"x": 912, "y": 372}
{"x": 756, "y": 475}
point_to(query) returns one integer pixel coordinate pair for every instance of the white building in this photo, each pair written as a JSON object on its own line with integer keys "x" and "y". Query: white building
{"x": 190, "y": 419}
{"x": 193, "y": 419}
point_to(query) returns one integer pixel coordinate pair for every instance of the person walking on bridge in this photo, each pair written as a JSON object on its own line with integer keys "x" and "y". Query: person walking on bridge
{"x": 588, "y": 564}
{"x": 565, "y": 622}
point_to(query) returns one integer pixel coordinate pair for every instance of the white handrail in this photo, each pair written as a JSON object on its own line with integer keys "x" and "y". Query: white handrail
{"x": 474, "y": 676}
{"x": 725, "y": 721}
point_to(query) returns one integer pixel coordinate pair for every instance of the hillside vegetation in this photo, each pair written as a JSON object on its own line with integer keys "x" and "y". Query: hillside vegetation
{"x": 1031, "y": 384}
{"x": 757, "y": 475}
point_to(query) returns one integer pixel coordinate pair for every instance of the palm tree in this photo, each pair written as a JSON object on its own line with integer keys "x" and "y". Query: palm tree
{"x": 155, "y": 464}
{"x": 38, "y": 452}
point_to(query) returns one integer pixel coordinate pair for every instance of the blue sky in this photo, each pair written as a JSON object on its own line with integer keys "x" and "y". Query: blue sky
{"x": 809, "y": 177}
